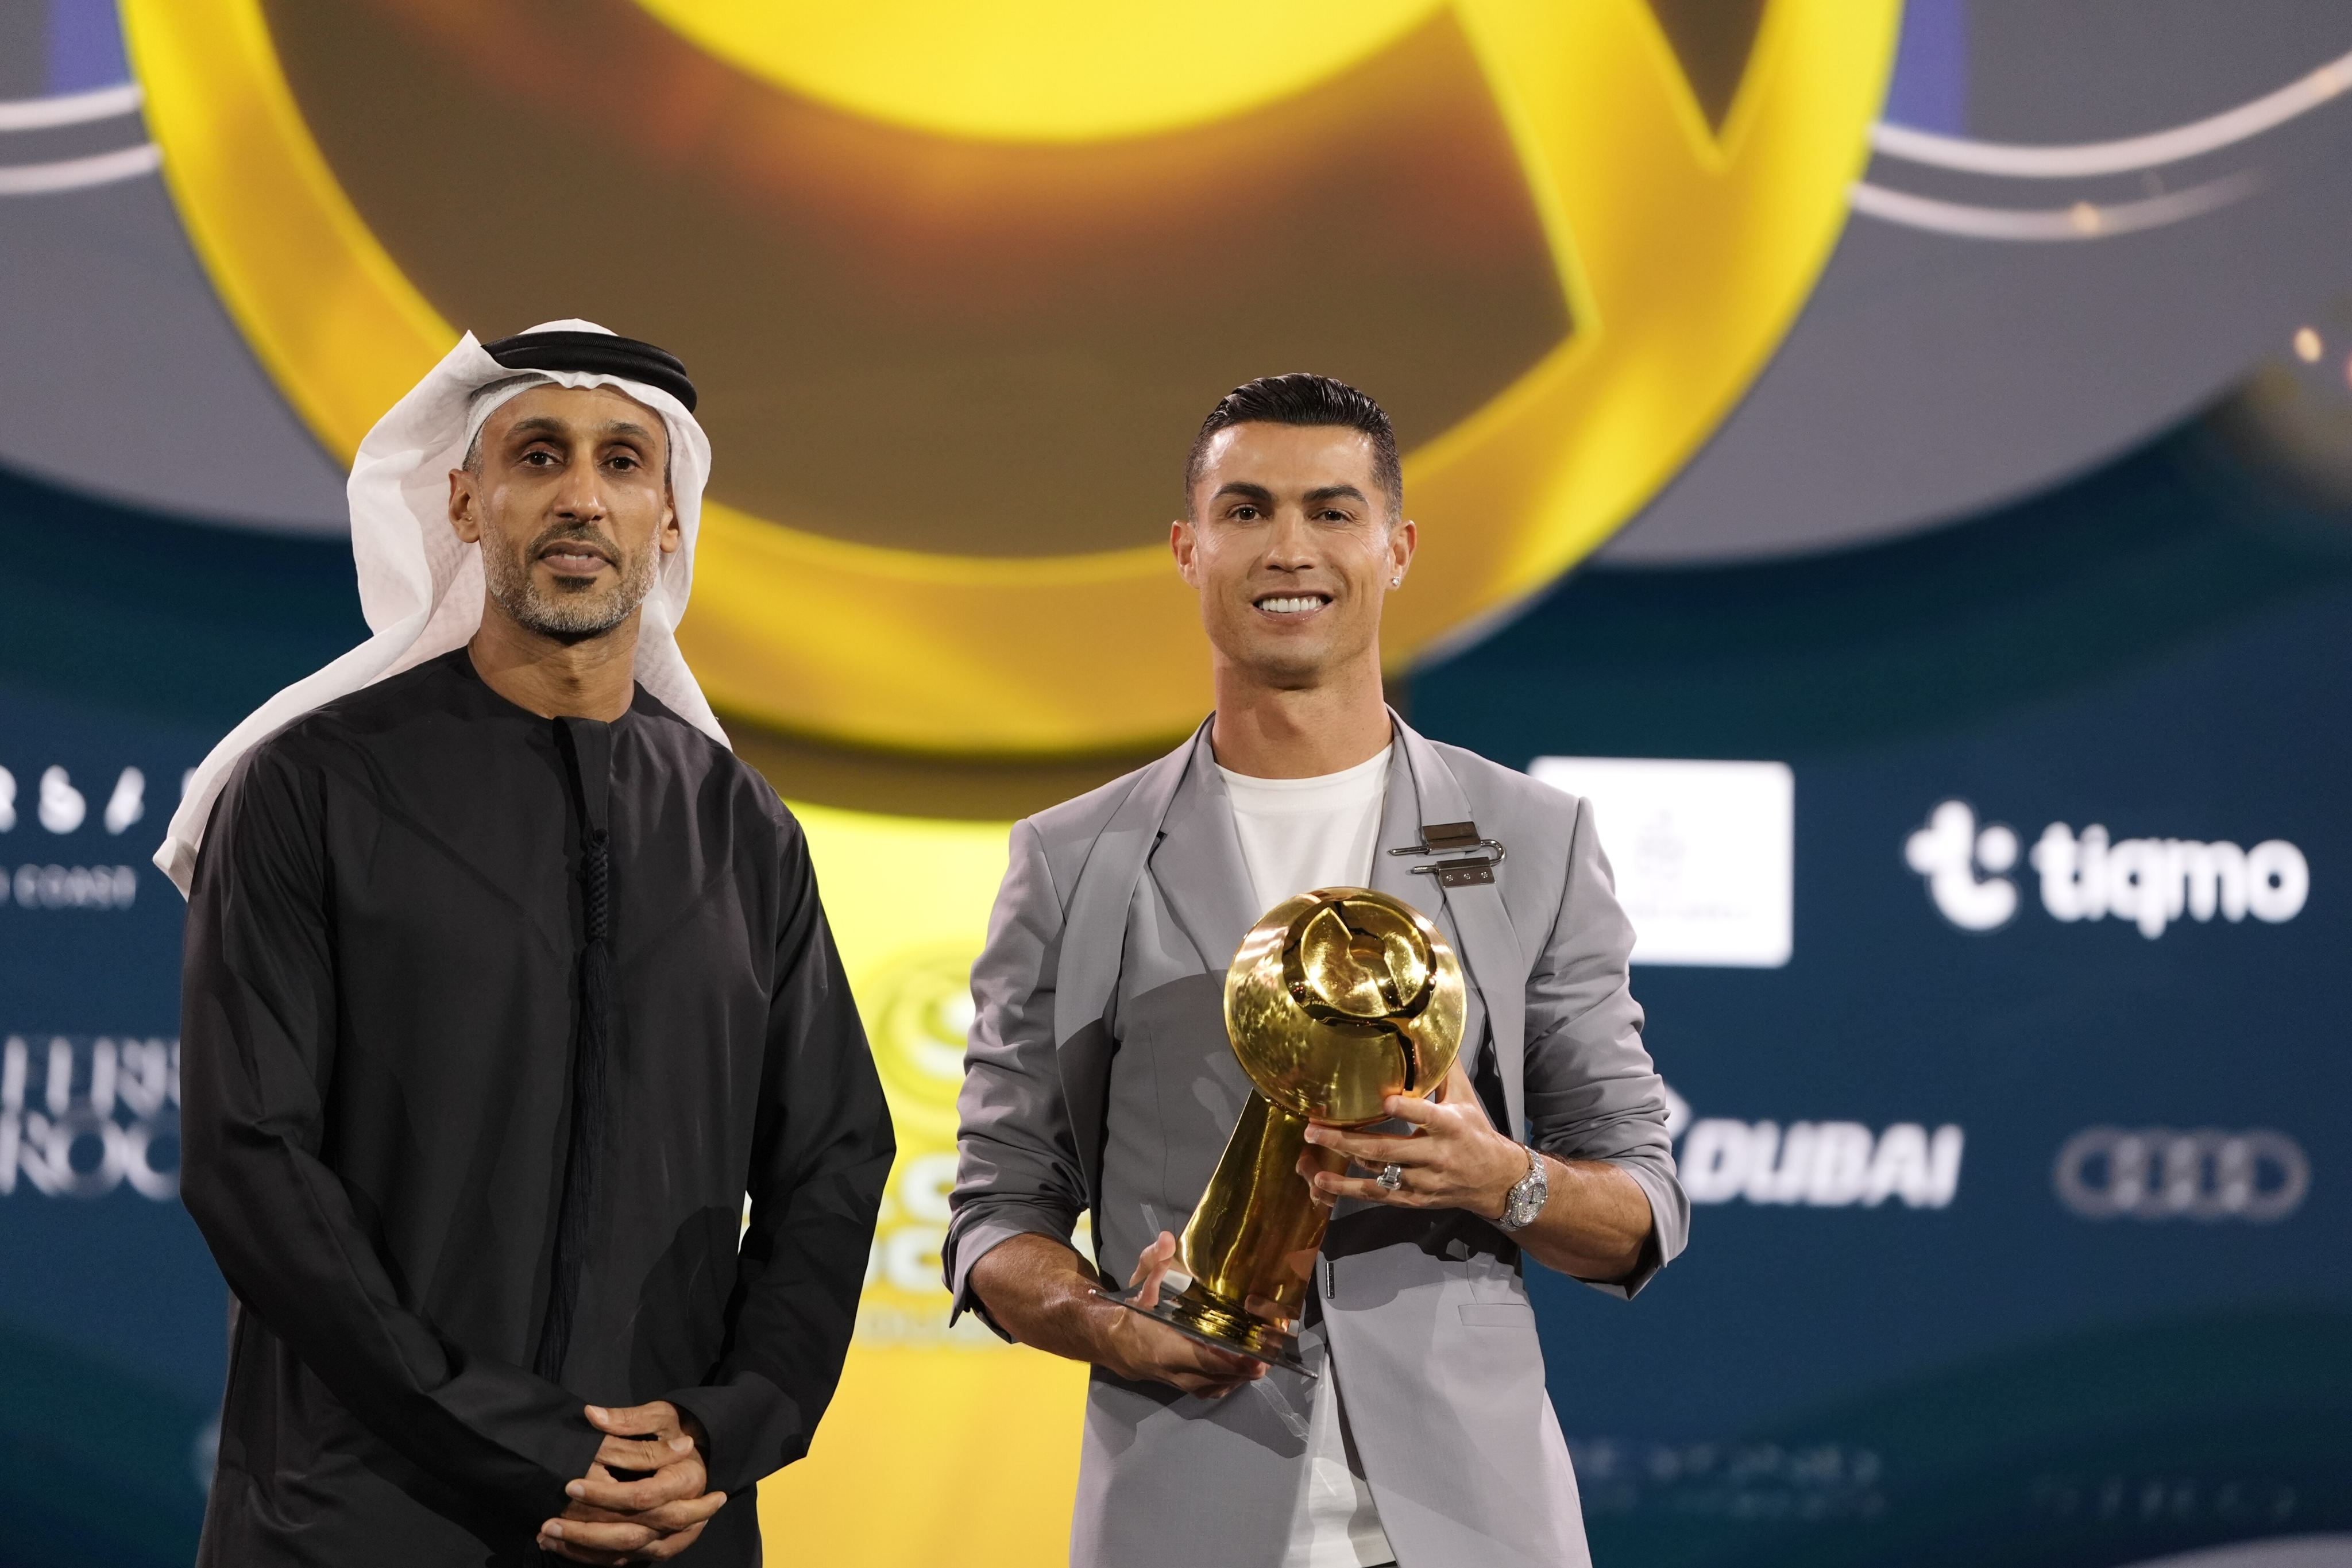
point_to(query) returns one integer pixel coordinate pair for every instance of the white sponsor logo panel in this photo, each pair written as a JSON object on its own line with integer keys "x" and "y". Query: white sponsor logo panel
{"x": 1703, "y": 853}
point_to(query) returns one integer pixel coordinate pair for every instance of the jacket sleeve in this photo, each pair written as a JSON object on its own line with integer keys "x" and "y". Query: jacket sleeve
{"x": 257, "y": 1052}
{"x": 821, "y": 1156}
{"x": 1018, "y": 1171}
{"x": 1592, "y": 1090}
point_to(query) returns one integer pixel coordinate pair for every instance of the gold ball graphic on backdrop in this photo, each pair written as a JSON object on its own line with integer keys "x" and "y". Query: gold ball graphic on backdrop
{"x": 958, "y": 279}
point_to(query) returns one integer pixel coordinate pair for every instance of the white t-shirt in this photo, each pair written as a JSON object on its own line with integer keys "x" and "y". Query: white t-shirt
{"x": 1298, "y": 835}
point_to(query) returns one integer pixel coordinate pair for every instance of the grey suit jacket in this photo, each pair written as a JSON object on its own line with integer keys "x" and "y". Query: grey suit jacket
{"x": 1098, "y": 1077}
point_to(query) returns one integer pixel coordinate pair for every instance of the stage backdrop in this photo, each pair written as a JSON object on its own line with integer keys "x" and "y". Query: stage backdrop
{"x": 1956, "y": 403}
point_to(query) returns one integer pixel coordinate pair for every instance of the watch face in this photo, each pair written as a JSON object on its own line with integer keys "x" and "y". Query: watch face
{"x": 1527, "y": 1198}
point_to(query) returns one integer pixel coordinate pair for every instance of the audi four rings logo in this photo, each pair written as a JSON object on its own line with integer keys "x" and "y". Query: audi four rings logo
{"x": 2204, "y": 1173}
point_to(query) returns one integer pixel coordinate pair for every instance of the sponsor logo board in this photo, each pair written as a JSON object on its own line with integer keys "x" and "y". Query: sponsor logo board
{"x": 2205, "y": 1173}
{"x": 1815, "y": 1164}
{"x": 1821, "y": 1164}
{"x": 50, "y": 802}
{"x": 82, "y": 1117}
{"x": 59, "y": 805}
{"x": 34, "y": 887}
{"x": 1745, "y": 1478}
{"x": 1703, "y": 853}
{"x": 2151, "y": 883}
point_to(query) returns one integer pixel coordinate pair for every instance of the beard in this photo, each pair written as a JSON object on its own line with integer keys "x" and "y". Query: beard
{"x": 567, "y": 615}
{"x": 1291, "y": 663}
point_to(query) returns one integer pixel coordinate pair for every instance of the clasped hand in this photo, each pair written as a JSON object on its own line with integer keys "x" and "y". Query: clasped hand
{"x": 651, "y": 1519}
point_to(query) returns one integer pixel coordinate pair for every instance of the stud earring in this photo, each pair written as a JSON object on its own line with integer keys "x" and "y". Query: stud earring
{"x": 1396, "y": 582}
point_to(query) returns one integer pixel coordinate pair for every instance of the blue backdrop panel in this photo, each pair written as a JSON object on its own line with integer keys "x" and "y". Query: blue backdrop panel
{"x": 111, "y": 1317}
{"x": 2096, "y": 1307}
{"x": 128, "y": 642}
{"x": 2130, "y": 1331}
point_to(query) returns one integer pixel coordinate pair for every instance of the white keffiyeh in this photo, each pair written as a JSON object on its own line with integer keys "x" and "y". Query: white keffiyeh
{"x": 421, "y": 586}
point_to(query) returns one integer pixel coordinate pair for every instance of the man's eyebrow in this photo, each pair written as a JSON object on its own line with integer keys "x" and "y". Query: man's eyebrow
{"x": 1337, "y": 492}
{"x": 548, "y": 425}
{"x": 1245, "y": 490}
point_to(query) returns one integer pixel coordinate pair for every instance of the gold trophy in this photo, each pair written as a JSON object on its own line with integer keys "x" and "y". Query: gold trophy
{"x": 1338, "y": 999}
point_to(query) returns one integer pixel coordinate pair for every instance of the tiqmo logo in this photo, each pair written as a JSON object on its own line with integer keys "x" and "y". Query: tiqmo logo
{"x": 82, "y": 1117}
{"x": 1950, "y": 851}
{"x": 1823, "y": 1165}
{"x": 2156, "y": 1173}
{"x": 2151, "y": 882}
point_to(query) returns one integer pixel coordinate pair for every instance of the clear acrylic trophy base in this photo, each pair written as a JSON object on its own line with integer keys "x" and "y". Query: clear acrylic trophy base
{"x": 1197, "y": 1315}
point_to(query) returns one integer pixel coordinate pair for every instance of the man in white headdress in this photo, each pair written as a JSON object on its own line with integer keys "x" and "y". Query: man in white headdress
{"x": 506, "y": 982}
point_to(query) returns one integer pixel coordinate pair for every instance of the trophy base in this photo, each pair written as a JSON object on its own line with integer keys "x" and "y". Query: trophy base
{"x": 1194, "y": 1314}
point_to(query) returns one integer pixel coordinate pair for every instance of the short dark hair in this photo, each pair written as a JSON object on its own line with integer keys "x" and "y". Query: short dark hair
{"x": 1300, "y": 398}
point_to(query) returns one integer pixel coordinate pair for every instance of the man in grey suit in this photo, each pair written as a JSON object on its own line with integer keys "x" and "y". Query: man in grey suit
{"x": 1099, "y": 1077}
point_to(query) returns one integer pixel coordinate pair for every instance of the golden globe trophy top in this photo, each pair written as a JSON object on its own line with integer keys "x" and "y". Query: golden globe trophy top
{"x": 1338, "y": 999}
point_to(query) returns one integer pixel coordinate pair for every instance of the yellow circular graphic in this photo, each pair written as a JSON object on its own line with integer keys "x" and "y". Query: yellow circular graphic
{"x": 959, "y": 278}
{"x": 918, "y": 1007}
{"x": 919, "y": 1012}
{"x": 1044, "y": 71}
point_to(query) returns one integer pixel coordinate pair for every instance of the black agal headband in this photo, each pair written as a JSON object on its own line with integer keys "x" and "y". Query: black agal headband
{"x": 595, "y": 353}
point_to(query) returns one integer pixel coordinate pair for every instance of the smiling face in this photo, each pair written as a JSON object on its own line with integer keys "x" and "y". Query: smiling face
{"x": 1292, "y": 544}
{"x": 568, "y": 494}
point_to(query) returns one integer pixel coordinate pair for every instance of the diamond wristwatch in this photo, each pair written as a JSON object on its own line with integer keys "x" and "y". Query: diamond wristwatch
{"x": 1527, "y": 1199}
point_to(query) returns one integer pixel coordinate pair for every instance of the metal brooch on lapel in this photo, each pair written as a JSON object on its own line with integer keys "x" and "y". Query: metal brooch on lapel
{"x": 1470, "y": 866}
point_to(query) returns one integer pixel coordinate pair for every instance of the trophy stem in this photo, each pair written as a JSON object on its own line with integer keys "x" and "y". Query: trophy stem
{"x": 1254, "y": 1236}
{"x": 1250, "y": 1246}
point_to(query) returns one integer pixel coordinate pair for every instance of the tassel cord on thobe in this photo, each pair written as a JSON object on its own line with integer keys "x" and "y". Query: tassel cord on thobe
{"x": 587, "y": 748}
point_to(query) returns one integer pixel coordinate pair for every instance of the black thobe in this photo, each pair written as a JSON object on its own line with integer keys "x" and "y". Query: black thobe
{"x": 383, "y": 1007}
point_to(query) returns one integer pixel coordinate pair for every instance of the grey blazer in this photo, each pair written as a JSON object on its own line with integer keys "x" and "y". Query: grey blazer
{"x": 1098, "y": 1077}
